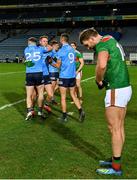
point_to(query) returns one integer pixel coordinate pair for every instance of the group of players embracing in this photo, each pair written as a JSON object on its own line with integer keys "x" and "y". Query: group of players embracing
{"x": 49, "y": 66}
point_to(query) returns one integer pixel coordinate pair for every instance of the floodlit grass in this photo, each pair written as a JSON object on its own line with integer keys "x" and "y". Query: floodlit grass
{"x": 55, "y": 150}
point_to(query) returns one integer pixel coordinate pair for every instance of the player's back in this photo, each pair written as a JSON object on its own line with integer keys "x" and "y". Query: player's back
{"x": 116, "y": 73}
{"x": 34, "y": 54}
{"x": 67, "y": 56}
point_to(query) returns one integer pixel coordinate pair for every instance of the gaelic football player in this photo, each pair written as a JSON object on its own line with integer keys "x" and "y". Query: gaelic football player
{"x": 67, "y": 76}
{"x": 111, "y": 73}
{"x": 34, "y": 76}
{"x": 43, "y": 41}
{"x": 79, "y": 65}
{"x": 53, "y": 71}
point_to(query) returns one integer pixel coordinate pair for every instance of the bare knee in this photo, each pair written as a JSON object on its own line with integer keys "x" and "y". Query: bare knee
{"x": 116, "y": 129}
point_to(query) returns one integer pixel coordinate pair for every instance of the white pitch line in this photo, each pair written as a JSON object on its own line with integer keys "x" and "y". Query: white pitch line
{"x": 22, "y": 100}
{"x": 88, "y": 79}
{"x": 12, "y": 104}
{"x": 9, "y": 73}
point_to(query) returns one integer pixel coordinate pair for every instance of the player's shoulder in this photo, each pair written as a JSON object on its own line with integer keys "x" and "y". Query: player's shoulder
{"x": 106, "y": 38}
{"x": 26, "y": 49}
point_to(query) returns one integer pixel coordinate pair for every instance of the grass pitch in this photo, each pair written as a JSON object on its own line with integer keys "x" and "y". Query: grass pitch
{"x": 54, "y": 150}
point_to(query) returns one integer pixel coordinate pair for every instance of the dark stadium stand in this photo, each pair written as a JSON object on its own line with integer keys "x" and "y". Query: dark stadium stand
{"x": 21, "y": 19}
{"x": 15, "y": 45}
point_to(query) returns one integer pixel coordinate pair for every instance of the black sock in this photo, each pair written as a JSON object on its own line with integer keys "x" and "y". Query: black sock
{"x": 30, "y": 109}
{"x": 47, "y": 104}
{"x": 40, "y": 109}
{"x": 80, "y": 110}
{"x": 64, "y": 115}
{"x": 117, "y": 158}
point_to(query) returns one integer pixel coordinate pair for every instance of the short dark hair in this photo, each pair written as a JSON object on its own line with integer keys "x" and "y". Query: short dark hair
{"x": 65, "y": 36}
{"x": 86, "y": 34}
{"x": 53, "y": 42}
{"x": 32, "y": 39}
{"x": 44, "y": 36}
{"x": 74, "y": 43}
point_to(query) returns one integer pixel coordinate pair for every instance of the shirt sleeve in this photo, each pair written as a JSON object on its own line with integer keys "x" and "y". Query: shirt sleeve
{"x": 58, "y": 55}
{"x": 102, "y": 47}
{"x": 79, "y": 55}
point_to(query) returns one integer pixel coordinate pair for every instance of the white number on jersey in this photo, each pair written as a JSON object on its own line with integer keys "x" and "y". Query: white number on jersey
{"x": 71, "y": 57}
{"x": 121, "y": 51}
{"x": 34, "y": 56}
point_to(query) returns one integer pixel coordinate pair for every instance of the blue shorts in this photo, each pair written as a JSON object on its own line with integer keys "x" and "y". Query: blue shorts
{"x": 34, "y": 79}
{"x": 54, "y": 76}
{"x": 46, "y": 80}
{"x": 64, "y": 82}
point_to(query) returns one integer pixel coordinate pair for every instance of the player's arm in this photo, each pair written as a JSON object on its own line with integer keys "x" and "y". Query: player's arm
{"x": 81, "y": 60}
{"x": 57, "y": 64}
{"x": 103, "y": 57}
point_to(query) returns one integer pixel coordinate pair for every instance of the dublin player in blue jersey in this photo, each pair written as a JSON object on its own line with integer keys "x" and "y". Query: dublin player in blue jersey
{"x": 34, "y": 76}
{"x": 47, "y": 82}
{"x": 53, "y": 71}
{"x": 67, "y": 76}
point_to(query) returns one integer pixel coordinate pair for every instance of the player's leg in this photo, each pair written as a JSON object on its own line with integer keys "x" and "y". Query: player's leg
{"x": 29, "y": 102}
{"x": 114, "y": 119}
{"x": 122, "y": 124}
{"x": 74, "y": 97}
{"x": 49, "y": 91}
{"x": 40, "y": 99}
{"x": 113, "y": 115}
{"x": 76, "y": 100}
{"x": 63, "y": 92}
{"x": 78, "y": 85}
{"x": 116, "y": 102}
{"x": 54, "y": 83}
{"x": 29, "y": 92}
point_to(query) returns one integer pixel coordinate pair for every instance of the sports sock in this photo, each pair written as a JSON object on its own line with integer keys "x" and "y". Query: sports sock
{"x": 30, "y": 109}
{"x": 80, "y": 110}
{"x": 116, "y": 163}
{"x": 64, "y": 115}
{"x": 40, "y": 109}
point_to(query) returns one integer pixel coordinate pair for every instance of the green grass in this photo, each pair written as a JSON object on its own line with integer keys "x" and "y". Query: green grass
{"x": 54, "y": 150}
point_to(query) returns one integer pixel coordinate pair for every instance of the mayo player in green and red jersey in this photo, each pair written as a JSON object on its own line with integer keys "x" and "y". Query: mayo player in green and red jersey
{"x": 111, "y": 73}
{"x": 79, "y": 66}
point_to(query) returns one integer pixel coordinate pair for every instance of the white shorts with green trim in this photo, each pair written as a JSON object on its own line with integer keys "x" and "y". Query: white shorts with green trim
{"x": 79, "y": 75}
{"x": 118, "y": 97}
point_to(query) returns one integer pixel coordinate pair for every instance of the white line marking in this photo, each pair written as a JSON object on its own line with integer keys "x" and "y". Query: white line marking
{"x": 88, "y": 79}
{"x": 9, "y": 73}
{"x": 22, "y": 100}
{"x": 12, "y": 104}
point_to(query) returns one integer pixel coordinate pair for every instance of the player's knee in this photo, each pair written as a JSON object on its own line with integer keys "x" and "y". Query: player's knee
{"x": 40, "y": 96}
{"x": 116, "y": 129}
{"x": 78, "y": 85}
{"x": 110, "y": 128}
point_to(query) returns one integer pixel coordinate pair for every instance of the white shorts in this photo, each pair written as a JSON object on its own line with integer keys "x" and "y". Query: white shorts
{"x": 79, "y": 75}
{"x": 118, "y": 97}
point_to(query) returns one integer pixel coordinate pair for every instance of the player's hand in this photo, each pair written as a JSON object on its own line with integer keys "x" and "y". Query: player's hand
{"x": 77, "y": 72}
{"x": 29, "y": 63}
{"x": 48, "y": 59}
{"x": 55, "y": 59}
{"x": 100, "y": 85}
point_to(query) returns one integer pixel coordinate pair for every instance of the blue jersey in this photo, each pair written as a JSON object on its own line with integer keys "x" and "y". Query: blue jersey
{"x": 45, "y": 69}
{"x": 35, "y": 54}
{"x": 51, "y": 68}
{"x": 67, "y": 56}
